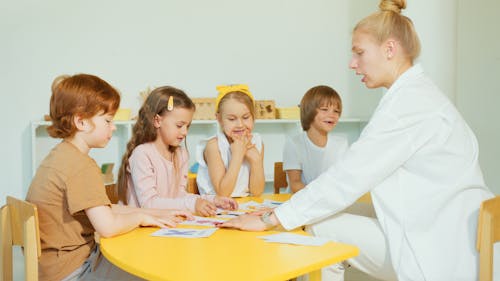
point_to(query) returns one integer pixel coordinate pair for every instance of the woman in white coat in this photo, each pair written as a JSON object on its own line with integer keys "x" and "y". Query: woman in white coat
{"x": 417, "y": 156}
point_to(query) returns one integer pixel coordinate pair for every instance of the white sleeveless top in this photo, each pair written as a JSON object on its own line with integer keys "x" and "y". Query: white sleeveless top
{"x": 205, "y": 185}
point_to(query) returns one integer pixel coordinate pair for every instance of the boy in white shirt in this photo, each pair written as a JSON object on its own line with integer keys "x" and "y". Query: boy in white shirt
{"x": 313, "y": 151}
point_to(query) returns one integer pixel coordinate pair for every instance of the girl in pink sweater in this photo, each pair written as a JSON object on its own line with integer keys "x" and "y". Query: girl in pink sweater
{"x": 154, "y": 168}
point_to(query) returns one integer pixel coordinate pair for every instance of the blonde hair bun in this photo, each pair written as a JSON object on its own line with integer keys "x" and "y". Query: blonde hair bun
{"x": 392, "y": 6}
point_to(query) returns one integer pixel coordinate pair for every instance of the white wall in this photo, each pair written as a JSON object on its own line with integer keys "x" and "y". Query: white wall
{"x": 478, "y": 80}
{"x": 279, "y": 48}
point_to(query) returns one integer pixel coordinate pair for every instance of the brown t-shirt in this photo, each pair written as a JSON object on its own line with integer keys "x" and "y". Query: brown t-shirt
{"x": 66, "y": 183}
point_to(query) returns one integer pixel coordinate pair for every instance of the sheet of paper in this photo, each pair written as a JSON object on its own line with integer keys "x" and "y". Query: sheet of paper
{"x": 271, "y": 203}
{"x": 291, "y": 238}
{"x": 226, "y": 214}
{"x": 203, "y": 221}
{"x": 250, "y": 205}
{"x": 184, "y": 232}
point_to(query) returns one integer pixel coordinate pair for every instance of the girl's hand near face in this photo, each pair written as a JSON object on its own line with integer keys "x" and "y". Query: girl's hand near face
{"x": 239, "y": 146}
{"x": 253, "y": 155}
{"x": 205, "y": 208}
{"x": 225, "y": 203}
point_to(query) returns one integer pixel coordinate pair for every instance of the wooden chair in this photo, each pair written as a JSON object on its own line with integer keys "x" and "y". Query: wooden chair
{"x": 112, "y": 192}
{"x": 281, "y": 182}
{"x": 192, "y": 186}
{"x": 19, "y": 227}
{"x": 279, "y": 177}
{"x": 488, "y": 232}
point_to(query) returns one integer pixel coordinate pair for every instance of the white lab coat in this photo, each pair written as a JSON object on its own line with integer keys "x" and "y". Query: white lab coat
{"x": 419, "y": 159}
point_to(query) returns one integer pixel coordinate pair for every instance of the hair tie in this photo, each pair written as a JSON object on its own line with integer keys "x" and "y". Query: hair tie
{"x": 226, "y": 89}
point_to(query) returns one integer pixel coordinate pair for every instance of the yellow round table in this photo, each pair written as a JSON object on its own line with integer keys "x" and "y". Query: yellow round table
{"x": 227, "y": 254}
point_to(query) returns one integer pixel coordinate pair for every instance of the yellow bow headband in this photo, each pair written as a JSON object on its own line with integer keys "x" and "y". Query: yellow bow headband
{"x": 224, "y": 90}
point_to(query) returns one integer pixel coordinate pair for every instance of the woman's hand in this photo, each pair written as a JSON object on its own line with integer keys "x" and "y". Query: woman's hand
{"x": 225, "y": 203}
{"x": 248, "y": 222}
{"x": 205, "y": 208}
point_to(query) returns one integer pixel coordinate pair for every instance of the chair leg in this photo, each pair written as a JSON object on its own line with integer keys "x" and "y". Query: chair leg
{"x": 5, "y": 245}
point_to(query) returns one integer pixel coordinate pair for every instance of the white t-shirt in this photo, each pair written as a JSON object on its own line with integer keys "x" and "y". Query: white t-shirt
{"x": 300, "y": 153}
{"x": 203, "y": 181}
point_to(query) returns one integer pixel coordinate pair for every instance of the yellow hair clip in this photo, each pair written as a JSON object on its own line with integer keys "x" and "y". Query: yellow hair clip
{"x": 224, "y": 90}
{"x": 170, "y": 103}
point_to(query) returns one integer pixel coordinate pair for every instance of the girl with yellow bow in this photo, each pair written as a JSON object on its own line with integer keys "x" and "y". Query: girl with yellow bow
{"x": 232, "y": 162}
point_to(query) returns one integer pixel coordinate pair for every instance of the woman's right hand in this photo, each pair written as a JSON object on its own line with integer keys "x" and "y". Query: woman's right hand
{"x": 205, "y": 208}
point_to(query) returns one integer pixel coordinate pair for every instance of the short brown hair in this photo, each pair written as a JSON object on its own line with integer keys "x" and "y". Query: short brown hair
{"x": 81, "y": 95}
{"x": 315, "y": 98}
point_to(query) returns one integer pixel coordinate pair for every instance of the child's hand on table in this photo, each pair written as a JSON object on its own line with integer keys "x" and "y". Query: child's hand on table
{"x": 205, "y": 208}
{"x": 226, "y": 203}
{"x": 167, "y": 218}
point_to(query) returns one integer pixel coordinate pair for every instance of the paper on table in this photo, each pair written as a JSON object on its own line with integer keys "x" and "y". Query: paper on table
{"x": 255, "y": 206}
{"x": 221, "y": 213}
{"x": 291, "y": 238}
{"x": 271, "y": 203}
{"x": 203, "y": 221}
{"x": 250, "y": 205}
{"x": 184, "y": 232}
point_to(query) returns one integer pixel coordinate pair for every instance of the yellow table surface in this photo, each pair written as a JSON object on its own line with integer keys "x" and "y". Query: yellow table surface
{"x": 227, "y": 254}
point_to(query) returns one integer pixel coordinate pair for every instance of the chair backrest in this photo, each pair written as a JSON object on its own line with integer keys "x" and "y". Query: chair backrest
{"x": 279, "y": 177}
{"x": 19, "y": 222}
{"x": 488, "y": 232}
{"x": 192, "y": 186}
{"x": 112, "y": 192}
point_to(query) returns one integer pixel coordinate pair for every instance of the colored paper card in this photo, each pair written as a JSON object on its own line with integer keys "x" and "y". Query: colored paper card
{"x": 296, "y": 239}
{"x": 184, "y": 232}
{"x": 203, "y": 221}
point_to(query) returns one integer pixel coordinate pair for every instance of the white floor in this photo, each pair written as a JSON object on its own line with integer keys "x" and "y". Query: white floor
{"x": 353, "y": 274}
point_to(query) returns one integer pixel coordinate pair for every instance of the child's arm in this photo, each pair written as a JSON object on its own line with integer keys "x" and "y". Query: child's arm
{"x": 257, "y": 178}
{"x": 148, "y": 186}
{"x": 223, "y": 180}
{"x": 110, "y": 223}
{"x": 295, "y": 180}
{"x": 293, "y": 163}
{"x": 161, "y": 213}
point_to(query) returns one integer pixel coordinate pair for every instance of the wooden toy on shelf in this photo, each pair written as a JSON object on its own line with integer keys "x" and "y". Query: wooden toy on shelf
{"x": 265, "y": 109}
{"x": 205, "y": 108}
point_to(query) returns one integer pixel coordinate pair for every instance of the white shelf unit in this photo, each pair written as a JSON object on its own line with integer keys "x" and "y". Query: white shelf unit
{"x": 273, "y": 131}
